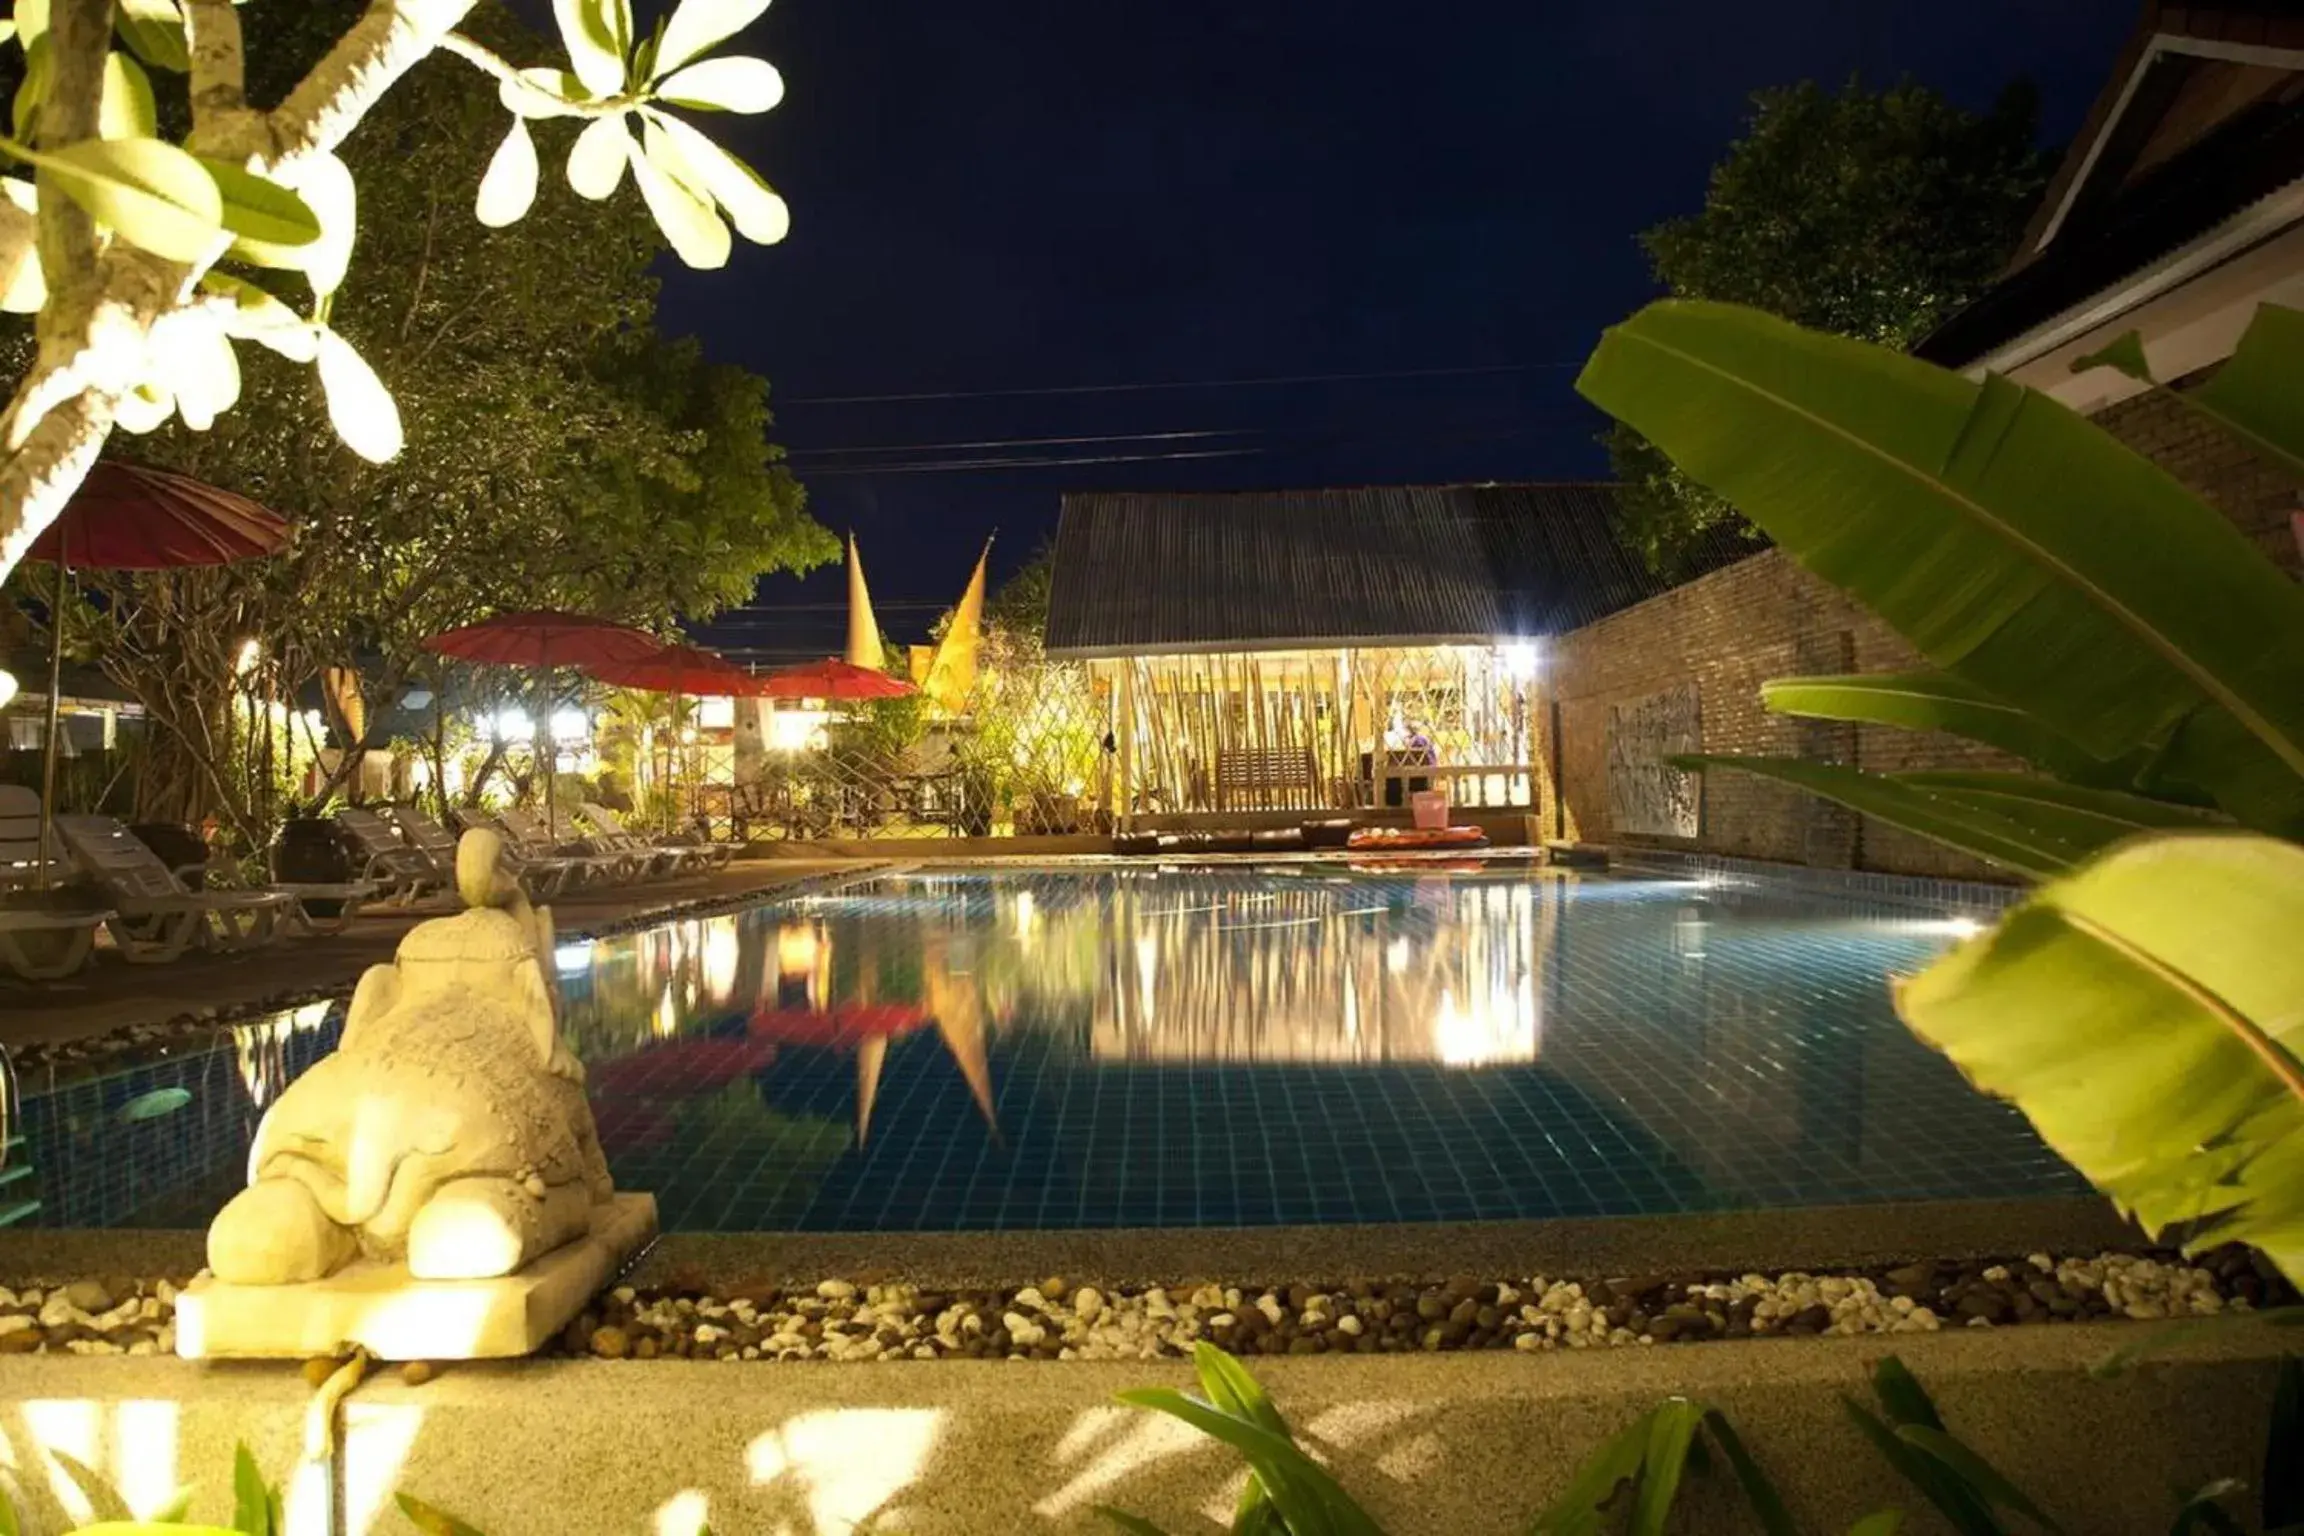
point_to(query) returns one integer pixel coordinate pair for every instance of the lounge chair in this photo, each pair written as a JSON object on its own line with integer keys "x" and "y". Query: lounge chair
{"x": 702, "y": 851}
{"x": 403, "y": 873}
{"x": 44, "y": 935}
{"x": 540, "y": 878}
{"x": 610, "y": 832}
{"x": 156, "y": 918}
{"x": 530, "y": 839}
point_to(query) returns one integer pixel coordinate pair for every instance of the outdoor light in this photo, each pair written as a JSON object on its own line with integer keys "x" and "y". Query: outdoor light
{"x": 570, "y": 725}
{"x": 416, "y": 698}
{"x": 1520, "y": 659}
{"x": 251, "y": 652}
{"x": 572, "y": 959}
{"x": 509, "y": 725}
{"x": 7, "y": 689}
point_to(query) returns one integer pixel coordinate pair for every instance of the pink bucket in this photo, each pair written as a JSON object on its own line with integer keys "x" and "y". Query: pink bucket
{"x": 1431, "y": 809}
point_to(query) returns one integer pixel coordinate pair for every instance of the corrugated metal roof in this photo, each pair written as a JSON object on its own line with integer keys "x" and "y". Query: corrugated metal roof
{"x": 1272, "y": 570}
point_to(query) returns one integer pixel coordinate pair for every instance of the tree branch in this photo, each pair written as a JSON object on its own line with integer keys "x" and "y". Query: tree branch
{"x": 219, "y": 66}
{"x": 384, "y": 44}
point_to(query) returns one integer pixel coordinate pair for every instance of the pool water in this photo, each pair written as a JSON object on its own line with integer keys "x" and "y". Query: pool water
{"x": 1222, "y": 1046}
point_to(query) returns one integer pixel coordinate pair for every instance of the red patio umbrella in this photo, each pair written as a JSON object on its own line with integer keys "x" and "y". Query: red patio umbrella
{"x": 544, "y": 638}
{"x": 832, "y": 678}
{"x": 127, "y": 517}
{"x": 682, "y": 669}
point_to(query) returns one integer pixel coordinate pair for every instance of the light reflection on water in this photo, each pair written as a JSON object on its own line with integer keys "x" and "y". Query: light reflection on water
{"x": 1145, "y": 1046}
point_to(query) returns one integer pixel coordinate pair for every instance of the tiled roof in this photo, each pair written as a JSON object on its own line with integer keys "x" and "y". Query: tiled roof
{"x": 1271, "y": 570}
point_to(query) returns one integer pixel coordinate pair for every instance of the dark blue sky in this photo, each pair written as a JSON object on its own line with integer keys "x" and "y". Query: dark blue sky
{"x": 1023, "y": 194}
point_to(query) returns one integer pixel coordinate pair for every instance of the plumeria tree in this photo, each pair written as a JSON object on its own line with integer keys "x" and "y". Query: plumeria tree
{"x": 147, "y": 261}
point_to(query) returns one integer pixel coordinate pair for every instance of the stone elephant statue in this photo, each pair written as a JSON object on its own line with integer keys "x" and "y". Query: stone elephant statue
{"x": 448, "y": 1128}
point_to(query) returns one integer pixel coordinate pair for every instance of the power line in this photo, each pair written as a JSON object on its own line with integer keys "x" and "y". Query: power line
{"x": 956, "y": 466}
{"x": 1120, "y": 389}
{"x": 947, "y": 466}
{"x": 1040, "y": 442}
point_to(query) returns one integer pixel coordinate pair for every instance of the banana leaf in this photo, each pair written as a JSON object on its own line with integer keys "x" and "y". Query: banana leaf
{"x": 1934, "y": 701}
{"x": 2143, "y": 1014}
{"x": 2006, "y": 538}
{"x": 2089, "y": 817}
{"x": 2028, "y": 847}
{"x": 2254, "y": 396}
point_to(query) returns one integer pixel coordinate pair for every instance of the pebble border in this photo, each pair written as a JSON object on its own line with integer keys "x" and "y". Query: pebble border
{"x": 846, "y": 1321}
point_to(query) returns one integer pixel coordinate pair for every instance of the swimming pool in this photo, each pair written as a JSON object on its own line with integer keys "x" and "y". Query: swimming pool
{"x": 1216, "y": 1046}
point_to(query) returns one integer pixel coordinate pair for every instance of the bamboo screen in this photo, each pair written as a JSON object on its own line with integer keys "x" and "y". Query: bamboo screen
{"x": 1315, "y": 730}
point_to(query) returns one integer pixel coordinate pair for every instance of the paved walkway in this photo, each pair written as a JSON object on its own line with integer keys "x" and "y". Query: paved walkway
{"x": 111, "y": 994}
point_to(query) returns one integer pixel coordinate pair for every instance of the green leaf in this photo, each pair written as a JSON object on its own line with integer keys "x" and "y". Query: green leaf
{"x": 1883, "y": 1522}
{"x": 508, "y": 190}
{"x": 127, "y": 111}
{"x": 694, "y": 231}
{"x": 2200, "y": 1511}
{"x": 1134, "y": 1525}
{"x": 23, "y": 286}
{"x": 750, "y": 203}
{"x": 2006, "y": 537}
{"x": 2082, "y": 817}
{"x": 154, "y": 32}
{"x": 2115, "y": 1362}
{"x": 2142, "y": 1014}
{"x": 1307, "y": 1497}
{"x": 1767, "y": 1504}
{"x": 593, "y": 50}
{"x": 31, "y": 18}
{"x": 432, "y": 1522}
{"x": 1966, "y": 1513}
{"x": 173, "y": 1512}
{"x": 1231, "y": 1388}
{"x": 2283, "y": 1498}
{"x": 1930, "y": 701}
{"x": 251, "y": 1506}
{"x": 104, "y": 1500}
{"x": 1902, "y": 1395}
{"x": 2036, "y": 851}
{"x": 2124, "y": 352}
{"x": 1577, "y": 1512}
{"x": 7, "y": 30}
{"x": 9, "y": 1524}
{"x": 271, "y": 226}
{"x": 2255, "y": 394}
{"x": 1963, "y": 1461}
{"x": 1671, "y": 1432}
{"x": 153, "y": 194}
{"x": 700, "y": 25}
{"x": 34, "y": 88}
{"x": 596, "y": 164}
{"x": 735, "y": 84}
{"x": 359, "y": 406}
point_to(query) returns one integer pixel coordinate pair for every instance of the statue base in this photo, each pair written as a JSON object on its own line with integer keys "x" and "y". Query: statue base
{"x": 398, "y": 1317}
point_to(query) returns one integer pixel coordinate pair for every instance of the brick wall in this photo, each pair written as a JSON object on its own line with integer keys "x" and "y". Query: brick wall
{"x": 1730, "y": 632}
{"x": 2214, "y": 464}
{"x": 1764, "y": 617}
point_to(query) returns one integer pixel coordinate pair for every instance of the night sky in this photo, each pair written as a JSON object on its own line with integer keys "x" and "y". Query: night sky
{"x": 1037, "y": 195}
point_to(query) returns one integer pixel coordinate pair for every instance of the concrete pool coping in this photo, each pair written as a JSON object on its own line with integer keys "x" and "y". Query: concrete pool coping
{"x": 1771, "y": 1240}
{"x": 1467, "y": 1444}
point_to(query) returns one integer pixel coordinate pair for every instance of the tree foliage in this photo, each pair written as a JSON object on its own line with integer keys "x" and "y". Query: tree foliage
{"x": 1872, "y": 214}
{"x": 559, "y": 452}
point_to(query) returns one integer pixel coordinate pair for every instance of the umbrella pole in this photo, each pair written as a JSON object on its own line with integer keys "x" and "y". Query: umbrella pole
{"x": 55, "y": 716}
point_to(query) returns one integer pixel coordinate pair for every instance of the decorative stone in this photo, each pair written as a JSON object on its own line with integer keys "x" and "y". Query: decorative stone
{"x": 434, "y": 1188}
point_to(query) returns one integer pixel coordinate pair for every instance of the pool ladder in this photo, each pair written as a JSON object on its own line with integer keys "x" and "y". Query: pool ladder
{"x": 17, "y": 1203}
